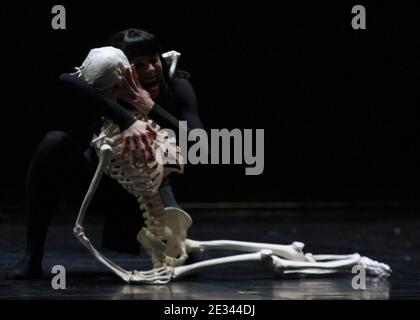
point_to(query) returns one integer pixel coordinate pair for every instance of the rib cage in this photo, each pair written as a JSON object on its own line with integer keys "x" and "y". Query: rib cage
{"x": 143, "y": 180}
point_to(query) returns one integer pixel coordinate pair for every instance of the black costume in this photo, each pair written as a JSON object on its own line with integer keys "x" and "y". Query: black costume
{"x": 64, "y": 163}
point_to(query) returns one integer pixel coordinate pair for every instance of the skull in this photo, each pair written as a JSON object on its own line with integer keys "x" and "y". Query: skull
{"x": 103, "y": 68}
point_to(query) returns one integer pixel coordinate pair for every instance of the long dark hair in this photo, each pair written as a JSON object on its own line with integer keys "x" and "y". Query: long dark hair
{"x": 137, "y": 42}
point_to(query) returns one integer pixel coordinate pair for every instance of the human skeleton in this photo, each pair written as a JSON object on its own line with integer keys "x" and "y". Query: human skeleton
{"x": 165, "y": 236}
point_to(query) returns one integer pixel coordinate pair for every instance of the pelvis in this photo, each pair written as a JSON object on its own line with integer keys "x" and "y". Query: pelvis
{"x": 171, "y": 248}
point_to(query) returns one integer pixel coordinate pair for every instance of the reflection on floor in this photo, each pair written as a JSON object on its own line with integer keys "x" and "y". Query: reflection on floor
{"x": 386, "y": 237}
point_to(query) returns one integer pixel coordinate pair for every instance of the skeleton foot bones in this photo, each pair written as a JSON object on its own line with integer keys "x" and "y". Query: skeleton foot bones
{"x": 165, "y": 236}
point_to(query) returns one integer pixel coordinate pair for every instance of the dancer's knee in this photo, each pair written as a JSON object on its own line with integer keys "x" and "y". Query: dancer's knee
{"x": 55, "y": 137}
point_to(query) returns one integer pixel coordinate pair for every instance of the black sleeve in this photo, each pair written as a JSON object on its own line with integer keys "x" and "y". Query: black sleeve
{"x": 188, "y": 102}
{"x": 187, "y": 108}
{"x": 100, "y": 105}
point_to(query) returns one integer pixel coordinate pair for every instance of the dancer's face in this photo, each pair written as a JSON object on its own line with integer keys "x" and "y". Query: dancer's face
{"x": 149, "y": 72}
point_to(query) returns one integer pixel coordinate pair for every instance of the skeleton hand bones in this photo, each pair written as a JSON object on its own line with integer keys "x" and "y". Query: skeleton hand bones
{"x": 165, "y": 235}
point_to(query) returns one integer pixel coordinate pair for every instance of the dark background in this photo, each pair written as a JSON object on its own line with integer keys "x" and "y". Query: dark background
{"x": 339, "y": 106}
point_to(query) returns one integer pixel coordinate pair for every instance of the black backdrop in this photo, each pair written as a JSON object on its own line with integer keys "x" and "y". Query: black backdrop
{"x": 339, "y": 106}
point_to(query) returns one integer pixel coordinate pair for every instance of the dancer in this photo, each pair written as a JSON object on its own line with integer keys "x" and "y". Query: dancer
{"x": 63, "y": 164}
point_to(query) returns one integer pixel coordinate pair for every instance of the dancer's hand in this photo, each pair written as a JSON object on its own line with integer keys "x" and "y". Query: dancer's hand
{"x": 133, "y": 93}
{"x": 139, "y": 136}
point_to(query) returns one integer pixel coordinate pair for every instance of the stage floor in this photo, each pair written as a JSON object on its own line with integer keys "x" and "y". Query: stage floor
{"x": 391, "y": 237}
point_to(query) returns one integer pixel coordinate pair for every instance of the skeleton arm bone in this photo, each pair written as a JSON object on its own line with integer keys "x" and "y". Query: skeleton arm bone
{"x": 105, "y": 152}
{"x": 78, "y": 230}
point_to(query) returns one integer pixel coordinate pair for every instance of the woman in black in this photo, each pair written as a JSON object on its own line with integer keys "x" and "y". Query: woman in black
{"x": 63, "y": 164}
